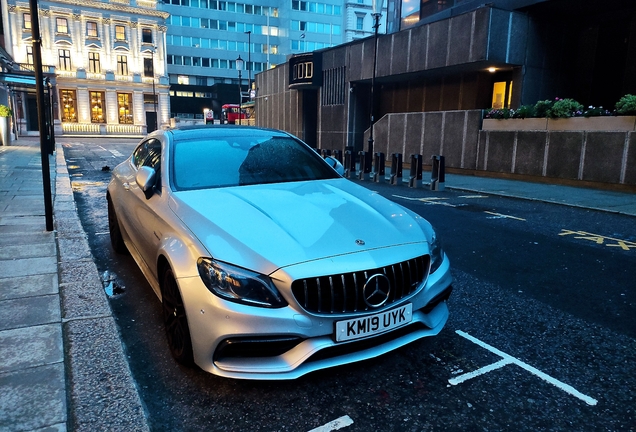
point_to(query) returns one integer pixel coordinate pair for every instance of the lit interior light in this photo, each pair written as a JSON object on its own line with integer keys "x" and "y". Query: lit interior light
{"x": 492, "y": 69}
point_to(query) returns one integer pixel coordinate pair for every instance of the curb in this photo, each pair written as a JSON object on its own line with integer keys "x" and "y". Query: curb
{"x": 101, "y": 392}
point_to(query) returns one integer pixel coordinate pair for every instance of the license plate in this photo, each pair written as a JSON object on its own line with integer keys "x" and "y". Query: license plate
{"x": 370, "y": 325}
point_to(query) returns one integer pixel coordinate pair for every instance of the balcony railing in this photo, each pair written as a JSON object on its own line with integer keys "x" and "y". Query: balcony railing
{"x": 25, "y": 67}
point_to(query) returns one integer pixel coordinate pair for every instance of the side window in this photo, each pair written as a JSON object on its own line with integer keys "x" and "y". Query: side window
{"x": 153, "y": 158}
{"x": 139, "y": 155}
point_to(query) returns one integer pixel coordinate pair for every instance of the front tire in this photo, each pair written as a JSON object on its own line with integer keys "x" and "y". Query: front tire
{"x": 175, "y": 320}
{"x": 116, "y": 239}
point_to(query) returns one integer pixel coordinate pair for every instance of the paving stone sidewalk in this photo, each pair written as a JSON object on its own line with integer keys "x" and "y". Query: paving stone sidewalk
{"x": 62, "y": 365}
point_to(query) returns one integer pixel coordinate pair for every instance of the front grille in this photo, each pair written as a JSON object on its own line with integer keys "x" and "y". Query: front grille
{"x": 342, "y": 293}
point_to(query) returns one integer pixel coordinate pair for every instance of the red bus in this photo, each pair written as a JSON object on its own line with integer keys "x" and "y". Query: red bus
{"x": 232, "y": 113}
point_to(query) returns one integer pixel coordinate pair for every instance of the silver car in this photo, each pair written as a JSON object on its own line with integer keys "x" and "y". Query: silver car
{"x": 268, "y": 263}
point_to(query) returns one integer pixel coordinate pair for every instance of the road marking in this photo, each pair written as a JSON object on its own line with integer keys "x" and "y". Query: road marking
{"x": 338, "y": 423}
{"x": 437, "y": 201}
{"x": 503, "y": 216}
{"x": 473, "y": 196}
{"x": 600, "y": 239}
{"x": 508, "y": 359}
{"x": 115, "y": 153}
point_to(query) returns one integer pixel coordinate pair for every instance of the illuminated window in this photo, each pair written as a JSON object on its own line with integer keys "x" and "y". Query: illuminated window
{"x": 501, "y": 94}
{"x": 183, "y": 79}
{"x": 61, "y": 25}
{"x": 124, "y": 108}
{"x": 64, "y": 61}
{"x": 69, "y": 102}
{"x": 26, "y": 21}
{"x": 94, "y": 65}
{"x": 91, "y": 29}
{"x": 120, "y": 33}
{"x": 122, "y": 65}
{"x": 97, "y": 107}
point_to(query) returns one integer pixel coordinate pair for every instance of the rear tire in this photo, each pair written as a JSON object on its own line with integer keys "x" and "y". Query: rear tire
{"x": 175, "y": 320}
{"x": 116, "y": 239}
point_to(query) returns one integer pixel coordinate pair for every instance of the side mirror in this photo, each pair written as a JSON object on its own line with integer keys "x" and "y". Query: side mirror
{"x": 146, "y": 179}
{"x": 335, "y": 164}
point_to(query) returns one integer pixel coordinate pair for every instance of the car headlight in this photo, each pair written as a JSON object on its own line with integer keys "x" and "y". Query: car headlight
{"x": 239, "y": 285}
{"x": 437, "y": 254}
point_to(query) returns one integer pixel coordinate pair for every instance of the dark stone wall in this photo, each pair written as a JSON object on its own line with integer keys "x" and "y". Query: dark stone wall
{"x": 564, "y": 154}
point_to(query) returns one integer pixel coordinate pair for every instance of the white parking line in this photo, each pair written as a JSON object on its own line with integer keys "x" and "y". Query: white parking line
{"x": 508, "y": 359}
{"x": 338, "y": 423}
{"x": 502, "y": 216}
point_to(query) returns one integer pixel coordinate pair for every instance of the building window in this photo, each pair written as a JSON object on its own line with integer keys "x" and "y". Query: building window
{"x": 91, "y": 29}
{"x": 183, "y": 79}
{"x": 359, "y": 23}
{"x": 501, "y": 94}
{"x": 120, "y": 33}
{"x": 29, "y": 51}
{"x": 64, "y": 61}
{"x": 334, "y": 87}
{"x": 122, "y": 65}
{"x": 61, "y": 25}
{"x": 148, "y": 68}
{"x": 69, "y": 102}
{"x": 93, "y": 63}
{"x": 146, "y": 36}
{"x": 26, "y": 21}
{"x": 97, "y": 107}
{"x": 124, "y": 106}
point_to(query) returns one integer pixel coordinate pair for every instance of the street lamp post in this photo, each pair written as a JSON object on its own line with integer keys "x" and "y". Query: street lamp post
{"x": 249, "y": 61}
{"x": 154, "y": 93}
{"x": 377, "y": 7}
{"x": 239, "y": 68}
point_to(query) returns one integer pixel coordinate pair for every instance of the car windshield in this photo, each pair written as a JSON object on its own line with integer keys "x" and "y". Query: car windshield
{"x": 244, "y": 160}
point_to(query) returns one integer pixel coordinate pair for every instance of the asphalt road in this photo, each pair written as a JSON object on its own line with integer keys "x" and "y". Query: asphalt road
{"x": 541, "y": 335}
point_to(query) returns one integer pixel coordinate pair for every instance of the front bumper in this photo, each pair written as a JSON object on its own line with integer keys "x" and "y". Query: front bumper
{"x": 294, "y": 341}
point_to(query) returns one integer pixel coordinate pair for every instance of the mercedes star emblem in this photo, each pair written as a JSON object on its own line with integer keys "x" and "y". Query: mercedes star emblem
{"x": 376, "y": 290}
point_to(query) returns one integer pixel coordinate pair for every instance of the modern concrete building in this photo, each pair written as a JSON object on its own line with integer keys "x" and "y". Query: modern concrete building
{"x": 442, "y": 62}
{"x": 105, "y": 64}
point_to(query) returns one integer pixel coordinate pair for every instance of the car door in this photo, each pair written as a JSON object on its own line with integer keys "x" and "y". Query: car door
{"x": 140, "y": 207}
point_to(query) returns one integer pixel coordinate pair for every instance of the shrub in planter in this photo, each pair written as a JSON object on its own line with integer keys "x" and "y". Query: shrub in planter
{"x": 524, "y": 111}
{"x": 541, "y": 108}
{"x": 5, "y": 111}
{"x": 626, "y": 105}
{"x": 593, "y": 111}
{"x": 565, "y": 108}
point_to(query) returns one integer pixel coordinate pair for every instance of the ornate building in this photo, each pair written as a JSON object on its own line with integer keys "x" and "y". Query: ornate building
{"x": 105, "y": 64}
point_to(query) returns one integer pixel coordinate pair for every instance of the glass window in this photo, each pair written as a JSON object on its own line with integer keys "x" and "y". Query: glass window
{"x": 213, "y": 4}
{"x": 194, "y": 3}
{"x": 183, "y": 79}
{"x": 359, "y": 23}
{"x": 176, "y": 40}
{"x": 64, "y": 59}
{"x": 231, "y": 26}
{"x": 120, "y": 33}
{"x": 196, "y": 22}
{"x": 240, "y": 8}
{"x": 178, "y": 60}
{"x": 336, "y": 10}
{"x": 169, "y": 59}
{"x": 295, "y": 5}
{"x": 320, "y": 8}
{"x": 248, "y": 9}
{"x": 222, "y": 25}
{"x": 312, "y": 7}
{"x": 61, "y": 25}
{"x": 29, "y": 55}
{"x": 146, "y": 35}
{"x": 97, "y": 107}
{"x": 187, "y": 41}
{"x": 258, "y": 10}
{"x": 222, "y": 5}
{"x": 26, "y": 21}
{"x": 185, "y": 21}
{"x": 231, "y": 7}
{"x": 124, "y": 107}
{"x": 215, "y": 63}
{"x": 205, "y": 43}
{"x": 223, "y": 64}
{"x": 94, "y": 65}
{"x": 205, "y": 62}
{"x": 91, "y": 29}
{"x": 122, "y": 65}
{"x": 148, "y": 67}
{"x": 69, "y": 104}
{"x": 329, "y": 9}
{"x": 187, "y": 61}
{"x": 214, "y": 24}
{"x": 335, "y": 29}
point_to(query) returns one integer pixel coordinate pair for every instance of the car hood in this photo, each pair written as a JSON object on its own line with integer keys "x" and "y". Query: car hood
{"x": 266, "y": 227}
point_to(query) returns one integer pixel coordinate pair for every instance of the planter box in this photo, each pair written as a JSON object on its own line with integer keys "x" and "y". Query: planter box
{"x": 620, "y": 124}
{"x": 515, "y": 124}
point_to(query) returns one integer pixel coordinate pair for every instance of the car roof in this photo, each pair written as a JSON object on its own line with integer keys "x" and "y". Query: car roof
{"x": 207, "y": 131}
